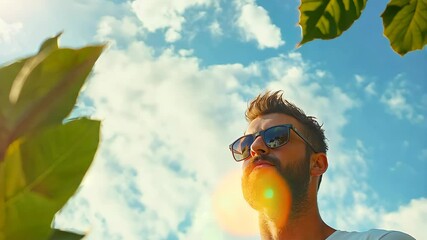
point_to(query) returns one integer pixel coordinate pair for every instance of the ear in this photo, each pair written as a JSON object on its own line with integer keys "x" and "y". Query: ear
{"x": 319, "y": 164}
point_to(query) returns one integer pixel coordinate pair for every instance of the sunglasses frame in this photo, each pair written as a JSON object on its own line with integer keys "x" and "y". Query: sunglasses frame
{"x": 261, "y": 133}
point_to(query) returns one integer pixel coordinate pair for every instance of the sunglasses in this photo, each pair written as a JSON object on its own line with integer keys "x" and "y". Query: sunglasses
{"x": 273, "y": 137}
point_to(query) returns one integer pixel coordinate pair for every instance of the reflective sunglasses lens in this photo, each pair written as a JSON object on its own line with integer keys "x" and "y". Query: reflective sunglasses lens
{"x": 241, "y": 147}
{"x": 276, "y": 136}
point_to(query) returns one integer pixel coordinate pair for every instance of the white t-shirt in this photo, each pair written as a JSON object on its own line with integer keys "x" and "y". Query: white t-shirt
{"x": 373, "y": 234}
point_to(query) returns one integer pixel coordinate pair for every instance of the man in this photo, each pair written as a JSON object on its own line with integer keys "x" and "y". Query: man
{"x": 284, "y": 157}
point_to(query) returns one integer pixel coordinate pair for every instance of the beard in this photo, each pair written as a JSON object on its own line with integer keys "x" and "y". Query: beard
{"x": 298, "y": 178}
{"x": 290, "y": 184}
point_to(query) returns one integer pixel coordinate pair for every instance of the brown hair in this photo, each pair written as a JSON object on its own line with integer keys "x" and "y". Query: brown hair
{"x": 273, "y": 102}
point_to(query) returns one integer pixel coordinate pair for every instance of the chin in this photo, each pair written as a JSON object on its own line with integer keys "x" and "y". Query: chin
{"x": 265, "y": 190}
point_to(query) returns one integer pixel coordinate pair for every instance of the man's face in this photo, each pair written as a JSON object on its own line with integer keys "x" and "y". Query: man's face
{"x": 279, "y": 169}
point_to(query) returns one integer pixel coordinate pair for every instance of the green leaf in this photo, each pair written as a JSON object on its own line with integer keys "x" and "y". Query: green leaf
{"x": 63, "y": 235}
{"x": 46, "y": 94}
{"x": 28, "y": 67}
{"x": 51, "y": 43}
{"x": 327, "y": 19}
{"x": 40, "y": 172}
{"x": 405, "y": 25}
{"x": 6, "y": 73}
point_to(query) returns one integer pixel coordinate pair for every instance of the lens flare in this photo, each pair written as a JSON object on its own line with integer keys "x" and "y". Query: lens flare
{"x": 232, "y": 212}
{"x": 264, "y": 189}
{"x": 268, "y": 192}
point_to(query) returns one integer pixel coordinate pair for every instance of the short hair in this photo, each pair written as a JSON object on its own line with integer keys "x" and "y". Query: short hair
{"x": 273, "y": 102}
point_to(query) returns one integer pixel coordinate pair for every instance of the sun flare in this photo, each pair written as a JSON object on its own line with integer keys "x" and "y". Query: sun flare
{"x": 232, "y": 212}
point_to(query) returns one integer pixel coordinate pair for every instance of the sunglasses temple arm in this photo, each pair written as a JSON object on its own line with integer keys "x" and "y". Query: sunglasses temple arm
{"x": 305, "y": 140}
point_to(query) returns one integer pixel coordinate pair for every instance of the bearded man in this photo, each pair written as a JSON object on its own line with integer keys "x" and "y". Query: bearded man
{"x": 284, "y": 158}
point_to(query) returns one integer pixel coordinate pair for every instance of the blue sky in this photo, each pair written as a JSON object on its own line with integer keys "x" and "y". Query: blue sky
{"x": 172, "y": 88}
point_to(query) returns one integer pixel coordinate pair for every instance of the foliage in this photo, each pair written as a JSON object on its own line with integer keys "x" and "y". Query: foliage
{"x": 405, "y": 21}
{"x": 405, "y": 24}
{"x": 42, "y": 159}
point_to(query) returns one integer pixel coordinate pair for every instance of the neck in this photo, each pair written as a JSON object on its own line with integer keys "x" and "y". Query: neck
{"x": 306, "y": 224}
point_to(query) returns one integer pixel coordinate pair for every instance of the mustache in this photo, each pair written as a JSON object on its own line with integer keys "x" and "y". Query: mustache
{"x": 274, "y": 161}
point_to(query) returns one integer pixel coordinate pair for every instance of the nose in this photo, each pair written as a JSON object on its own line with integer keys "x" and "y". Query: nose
{"x": 258, "y": 147}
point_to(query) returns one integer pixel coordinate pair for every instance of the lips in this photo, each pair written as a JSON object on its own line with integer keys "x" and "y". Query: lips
{"x": 261, "y": 164}
{"x": 258, "y": 163}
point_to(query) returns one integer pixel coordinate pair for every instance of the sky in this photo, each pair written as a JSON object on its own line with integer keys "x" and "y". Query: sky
{"x": 171, "y": 90}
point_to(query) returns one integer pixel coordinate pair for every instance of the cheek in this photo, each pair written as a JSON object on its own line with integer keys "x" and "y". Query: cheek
{"x": 289, "y": 155}
{"x": 245, "y": 169}
{"x": 244, "y": 164}
{"x": 265, "y": 189}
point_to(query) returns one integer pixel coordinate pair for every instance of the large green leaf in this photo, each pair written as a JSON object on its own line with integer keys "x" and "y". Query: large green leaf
{"x": 48, "y": 91}
{"x": 327, "y": 19}
{"x": 405, "y": 24}
{"x": 40, "y": 172}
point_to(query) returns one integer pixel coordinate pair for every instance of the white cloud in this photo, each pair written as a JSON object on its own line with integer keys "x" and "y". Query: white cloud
{"x": 395, "y": 98}
{"x": 8, "y": 30}
{"x": 370, "y": 89}
{"x": 359, "y": 78}
{"x": 320, "y": 73}
{"x": 76, "y": 19}
{"x": 410, "y": 218}
{"x": 172, "y": 35}
{"x": 255, "y": 24}
{"x": 186, "y": 52}
{"x": 166, "y": 14}
{"x": 216, "y": 29}
{"x": 118, "y": 31}
{"x": 163, "y": 132}
{"x": 15, "y": 10}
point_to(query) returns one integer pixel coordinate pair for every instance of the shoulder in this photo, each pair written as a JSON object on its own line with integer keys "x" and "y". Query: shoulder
{"x": 371, "y": 234}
